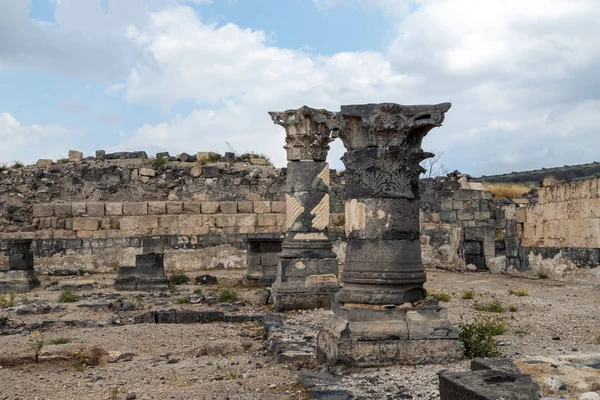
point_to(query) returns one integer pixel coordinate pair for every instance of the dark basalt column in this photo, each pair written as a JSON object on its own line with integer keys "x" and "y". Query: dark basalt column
{"x": 19, "y": 275}
{"x": 307, "y": 270}
{"x": 262, "y": 259}
{"x": 380, "y": 316}
{"x": 149, "y": 271}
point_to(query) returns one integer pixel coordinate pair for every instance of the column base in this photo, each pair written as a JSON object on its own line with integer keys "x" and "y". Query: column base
{"x": 288, "y": 298}
{"x": 359, "y": 335}
{"x": 19, "y": 281}
{"x": 147, "y": 278}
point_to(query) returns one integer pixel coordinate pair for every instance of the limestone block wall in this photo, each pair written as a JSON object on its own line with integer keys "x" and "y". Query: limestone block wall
{"x": 566, "y": 219}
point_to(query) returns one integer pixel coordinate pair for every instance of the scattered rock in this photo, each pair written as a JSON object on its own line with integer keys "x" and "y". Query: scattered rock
{"x": 131, "y": 396}
{"x": 554, "y": 385}
{"x": 206, "y": 280}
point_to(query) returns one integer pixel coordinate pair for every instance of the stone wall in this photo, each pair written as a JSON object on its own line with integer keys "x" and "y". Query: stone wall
{"x": 92, "y": 215}
{"x": 566, "y": 220}
{"x": 467, "y": 206}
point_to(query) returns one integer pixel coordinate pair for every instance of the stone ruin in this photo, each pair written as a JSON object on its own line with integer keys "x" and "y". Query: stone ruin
{"x": 355, "y": 242}
{"x": 19, "y": 275}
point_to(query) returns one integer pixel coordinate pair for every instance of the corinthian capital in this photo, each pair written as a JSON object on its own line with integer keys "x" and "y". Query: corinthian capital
{"x": 308, "y": 132}
{"x": 389, "y": 124}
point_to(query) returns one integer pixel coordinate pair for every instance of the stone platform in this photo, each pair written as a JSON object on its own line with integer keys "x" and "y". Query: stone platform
{"x": 147, "y": 274}
{"x": 19, "y": 274}
{"x": 262, "y": 259}
{"x": 376, "y": 336}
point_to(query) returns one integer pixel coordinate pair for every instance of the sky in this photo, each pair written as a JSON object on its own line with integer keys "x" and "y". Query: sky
{"x": 201, "y": 75}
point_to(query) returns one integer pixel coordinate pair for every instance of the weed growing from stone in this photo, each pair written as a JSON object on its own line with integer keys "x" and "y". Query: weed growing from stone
{"x": 478, "y": 336}
{"x": 159, "y": 162}
{"x": 211, "y": 158}
{"x": 57, "y": 341}
{"x": 468, "y": 294}
{"x": 513, "y": 307}
{"x": 7, "y": 300}
{"x": 18, "y": 164}
{"x": 62, "y": 161}
{"x": 3, "y": 166}
{"x": 490, "y": 306}
{"x": 68, "y": 296}
{"x": 178, "y": 279}
{"x": 37, "y": 345}
{"x": 182, "y": 300}
{"x": 89, "y": 357}
{"x": 440, "y": 296}
{"x": 227, "y": 295}
{"x": 197, "y": 291}
{"x": 519, "y": 292}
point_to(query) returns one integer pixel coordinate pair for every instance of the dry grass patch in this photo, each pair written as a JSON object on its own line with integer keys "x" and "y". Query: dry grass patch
{"x": 508, "y": 190}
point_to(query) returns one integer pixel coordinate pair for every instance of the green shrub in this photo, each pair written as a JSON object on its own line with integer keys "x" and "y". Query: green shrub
{"x": 468, "y": 294}
{"x": 513, "y": 307}
{"x": 178, "y": 279}
{"x": 519, "y": 292}
{"x": 210, "y": 158}
{"x": 61, "y": 340}
{"x": 67, "y": 296}
{"x": 62, "y": 161}
{"x": 8, "y": 300}
{"x": 159, "y": 162}
{"x": 490, "y": 306}
{"x": 18, "y": 164}
{"x": 182, "y": 300}
{"x": 440, "y": 296}
{"x": 37, "y": 345}
{"x": 478, "y": 336}
{"x": 197, "y": 291}
{"x": 227, "y": 295}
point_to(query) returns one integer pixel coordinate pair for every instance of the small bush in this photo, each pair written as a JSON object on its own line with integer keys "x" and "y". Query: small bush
{"x": 182, "y": 300}
{"x": 8, "y": 300}
{"x": 520, "y": 292}
{"x": 18, "y": 164}
{"x": 178, "y": 279}
{"x": 440, "y": 296}
{"x": 62, "y": 161}
{"x": 89, "y": 357}
{"x": 57, "y": 341}
{"x": 478, "y": 336}
{"x": 227, "y": 295}
{"x": 37, "y": 345}
{"x": 3, "y": 166}
{"x": 68, "y": 296}
{"x": 468, "y": 294}
{"x": 197, "y": 291}
{"x": 211, "y": 158}
{"x": 159, "y": 162}
{"x": 513, "y": 307}
{"x": 490, "y": 306}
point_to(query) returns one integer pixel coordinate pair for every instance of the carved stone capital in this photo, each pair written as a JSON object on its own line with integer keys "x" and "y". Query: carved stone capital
{"x": 384, "y": 171}
{"x": 388, "y": 124}
{"x": 308, "y": 132}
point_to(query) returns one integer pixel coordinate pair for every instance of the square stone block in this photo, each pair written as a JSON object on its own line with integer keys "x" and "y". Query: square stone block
{"x": 129, "y": 223}
{"x": 174, "y": 207}
{"x": 139, "y": 208}
{"x": 43, "y": 210}
{"x": 114, "y": 208}
{"x": 210, "y": 207}
{"x": 245, "y": 207}
{"x": 148, "y": 222}
{"x": 63, "y": 210}
{"x": 278, "y": 206}
{"x": 192, "y": 207}
{"x": 86, "y": 224}
{"x": 157, "y": 208}
{"x": 95, "y": 209}
{"x": 242, "y": 220}
{"x": 229, "y": 207}
{"x": 261, "y": 207}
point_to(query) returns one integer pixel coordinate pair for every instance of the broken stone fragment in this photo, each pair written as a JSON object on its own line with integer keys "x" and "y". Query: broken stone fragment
{"x": 75, "y": 155}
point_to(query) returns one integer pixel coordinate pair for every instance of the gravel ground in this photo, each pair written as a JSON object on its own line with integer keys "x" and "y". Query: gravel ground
{"x": 226, "y": 360}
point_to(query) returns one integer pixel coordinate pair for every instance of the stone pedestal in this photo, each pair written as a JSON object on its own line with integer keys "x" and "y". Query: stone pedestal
{"x": 262, "y": 259}
{"x": 19, "y": 275}
{"x": 380, "y": 317}
{"x": 149, "y": 271}
{"x": 308, "y": 268}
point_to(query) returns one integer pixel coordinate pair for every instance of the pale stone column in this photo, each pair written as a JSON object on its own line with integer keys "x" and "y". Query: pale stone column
{"x": 307, "y": 270}
{"x": 380, "y": 317}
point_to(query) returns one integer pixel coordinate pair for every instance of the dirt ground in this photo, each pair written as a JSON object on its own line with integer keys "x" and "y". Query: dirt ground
{"x": 228, "y": 361}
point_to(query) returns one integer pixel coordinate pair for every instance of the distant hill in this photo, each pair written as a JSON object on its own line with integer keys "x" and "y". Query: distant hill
{"x": 566, "y": 173}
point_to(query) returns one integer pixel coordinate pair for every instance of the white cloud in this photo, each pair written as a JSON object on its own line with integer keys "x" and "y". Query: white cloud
{"x": 114, "y": 89}
{"x": 23, "y": 142}
{"x": 394, "y": 7}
